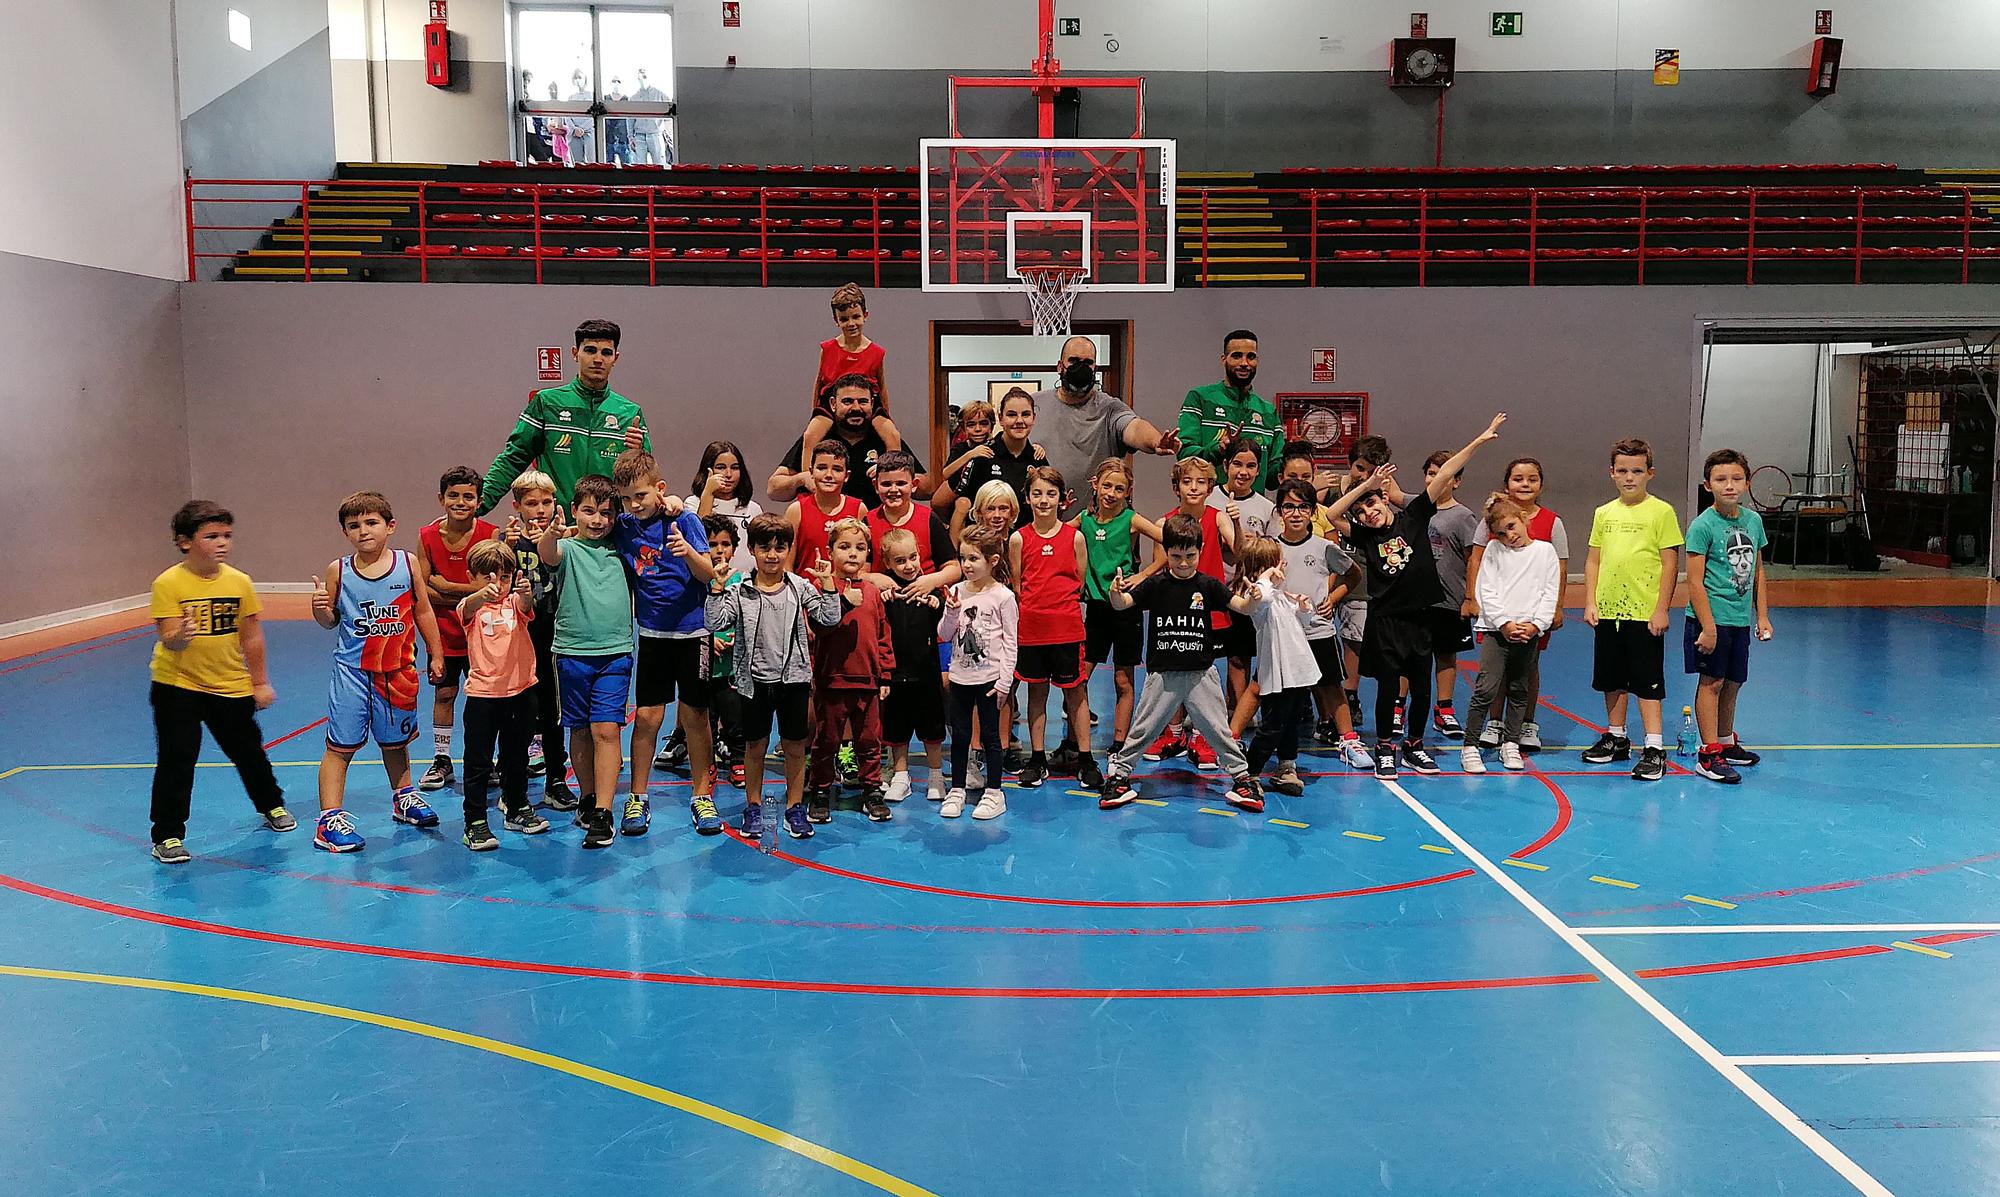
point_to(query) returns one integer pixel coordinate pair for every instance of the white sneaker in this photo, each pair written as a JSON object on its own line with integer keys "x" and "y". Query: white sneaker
{"x": 1531, "y": 737}
{"x": 992, "y": 804}
{"x": 1470, "y": 760}
{"x": 1489, "y": 735}
{"x": 899, "y": 788}
{"x": 954, "y": 804}
{"x": 975, "y": 775}
{"x": 1510, "y": 757}
{"x": 1356, "y": 754}
{"x": 936, "y": 792}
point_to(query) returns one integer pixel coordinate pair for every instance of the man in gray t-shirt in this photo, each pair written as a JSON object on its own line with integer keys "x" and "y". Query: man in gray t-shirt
{"x": 1078, "y": 425}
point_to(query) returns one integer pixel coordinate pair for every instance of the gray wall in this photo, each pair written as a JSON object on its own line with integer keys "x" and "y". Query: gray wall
{"x": 95, "y": 444}
{"x": 1760, "y": 402}
{"x": 399, "y": 382}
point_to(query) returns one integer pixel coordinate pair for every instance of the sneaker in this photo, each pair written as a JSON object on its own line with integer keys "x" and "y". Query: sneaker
{"x": 1355, "y": 753}
{"x": 702, "y": 813}
{"x": 1087, "y": 775}
{"x": 796, "y": 824}
{"x": 819, "y": 804}
{"x": 438, "y": 776}
{"x": 1169, "y": 745}
{"x": 873, "y": 806}
{"x": 738, "y": 776}
{"x": 479, "y": 837}
{"x": 1469, "y": 760}
{"x": 1326, "y": 731}
{"x": 1608, "y": 748}
{"x": 1115, "y": 792}
{"x": 975, "y": 773}
{"x": 899, "y": 788}
{"x": 1354, "y": 708}
{"x": 171, "y": 851}
{"x": 556, "y": 795}
{"x": 1385, "y": 761}
{"x": 954, "y": 804}
{"x": 673, "y": 754}
{"x": 1715, "y": 766}
{"x": 1446, "y": 723}
{"x": 280, "y": 819}
{"x": 1016, "y": 759}
{"x": 638, "y": 815}
{"x": 1489, "y": 735}
{"x": 1287, "y": 781}
{"x": 581, "y": 818}
{"x": 525, "y": 820}
{"x": 753, "y": 821}
{"x": 992, "y": 804}
{"x": 936, "y": 791}
{"x": 850, "y": 766}
{"x": 1065, "y": 761}
{"x": 408, "y": 807}
{"x": 335, "y": 833}
{"x": 597, "y": 828}
{"x": 1199, "y": 754}
{"x": 537, "y": 763}
{"x": 1034, "y": 773}
{"x": 1739, "y": 756}
{"x": 1531, "y": 737}
{"x": 1397, "y": 728}
{"x": 1416, "y": 758}
{"x": 1244, "y": 795}
{"x": 1510, "y": 757}
{"x": 1652, "y": 764}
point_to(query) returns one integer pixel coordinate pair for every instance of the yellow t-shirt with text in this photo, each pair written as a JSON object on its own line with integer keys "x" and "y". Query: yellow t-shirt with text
{"x": 212, "y": 662}
{"x": 1628, "y": 538}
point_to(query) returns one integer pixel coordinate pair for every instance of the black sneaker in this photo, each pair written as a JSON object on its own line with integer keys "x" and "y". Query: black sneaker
{"x": 1715, "y": 766}
{"x": 1652, "y": 764}
{"x": 1739, "y": 756}
{"x": 1385, "y": 761}
{"x": 479, "y": 837}
{"x": 1445, "y": 720}
{"x": 1416, "y": 758}
{"x": 1115, "y": 792}
{"x": 557, "y": 795}
{"x": 1245, "y": 794}
{"x": 1087, "y": 775}
{"x": 526, "y": 821}
{"x": 673, "y": 754}
{"x": 597, "y": 829}
{"x": 1608, "y": 748}
{"x": 1399, "y": 729}
{"x": 1035, "y": 773}
{"x": 1354, "y": 707}
{"x": 1064, "y": 761}
{"x": 873, "y": 806}
{"x": 1015, "y": 760}
{"x": 1327, "y": 732}
{"x": 438, "y": 776}
{"x": 819, "y": 805}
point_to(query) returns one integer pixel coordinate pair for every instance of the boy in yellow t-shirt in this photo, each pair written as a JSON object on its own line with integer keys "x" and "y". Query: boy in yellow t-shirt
{"x": 1628, "y": 580}
{"x": 208, "y": 670}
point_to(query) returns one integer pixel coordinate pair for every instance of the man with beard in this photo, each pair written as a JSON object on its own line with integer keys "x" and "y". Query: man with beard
{"x": 1212, "y": 417}
{"x": 1078, "y": 425}
{"x": 853, "y": 404}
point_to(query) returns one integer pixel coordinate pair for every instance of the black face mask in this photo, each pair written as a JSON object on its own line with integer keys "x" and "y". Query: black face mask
{"x": 1079, "y": 377}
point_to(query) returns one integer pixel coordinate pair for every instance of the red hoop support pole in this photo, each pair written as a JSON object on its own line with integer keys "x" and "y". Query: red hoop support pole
{"x": 188, "y": 192}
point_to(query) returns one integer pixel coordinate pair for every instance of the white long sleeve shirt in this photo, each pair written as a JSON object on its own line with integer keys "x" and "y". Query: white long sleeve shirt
{"x": 1518, "y": 585}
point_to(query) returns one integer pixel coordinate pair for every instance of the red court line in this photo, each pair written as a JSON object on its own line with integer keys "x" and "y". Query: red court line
{"x": 88, "y": 648}
{"x": 294, "y": 734}
{"x": 1982, "y": 627}
{"x": 1733, "y": 966}
{"x": 1802, "y": 890}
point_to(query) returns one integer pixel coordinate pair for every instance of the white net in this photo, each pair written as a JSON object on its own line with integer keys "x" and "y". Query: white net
{"x": 1051, "y": 296}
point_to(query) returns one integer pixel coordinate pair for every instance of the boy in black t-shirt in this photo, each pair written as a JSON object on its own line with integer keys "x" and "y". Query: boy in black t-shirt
{"x": 1180, "y": 664}
{"x": 1395, "y": 548}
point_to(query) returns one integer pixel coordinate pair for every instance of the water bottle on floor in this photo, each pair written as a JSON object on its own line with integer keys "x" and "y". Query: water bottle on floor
{"x": 774, "y": 814}
{"x": 1686, "y": 745}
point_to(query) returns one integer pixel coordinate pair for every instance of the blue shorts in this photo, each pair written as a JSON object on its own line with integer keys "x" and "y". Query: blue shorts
{"x": 593, "y": 689}
{"x": 1731, "y": 659}
{"x": 361, "y": 706}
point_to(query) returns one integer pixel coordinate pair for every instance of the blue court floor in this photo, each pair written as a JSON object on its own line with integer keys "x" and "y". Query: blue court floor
{"x": 1558, "y": 983}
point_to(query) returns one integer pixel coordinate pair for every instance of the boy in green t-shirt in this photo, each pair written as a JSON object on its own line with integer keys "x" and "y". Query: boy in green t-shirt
{"x": 1628, "y": 581}
{"x": 1725, "y": 568}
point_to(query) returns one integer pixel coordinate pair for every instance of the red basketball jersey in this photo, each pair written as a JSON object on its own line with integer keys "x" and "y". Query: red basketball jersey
{"x": 835, "y": 361}
{"x": 918, "y": 525}
{"x": 1211, "y": 558}
{"x": 450, "y": 565}
{"x": 1051, "y": 588}
{"x": 809, "y": 547}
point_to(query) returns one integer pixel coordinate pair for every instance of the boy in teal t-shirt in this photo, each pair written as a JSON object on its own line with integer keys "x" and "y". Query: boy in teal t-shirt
{"x": 1725, "y": 546}
{"x": 1628, "y": 583}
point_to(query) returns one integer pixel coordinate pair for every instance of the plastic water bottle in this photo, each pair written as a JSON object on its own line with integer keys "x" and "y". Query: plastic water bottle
{"x": 1686, "y": 745}
{"x": 772, "y": 817}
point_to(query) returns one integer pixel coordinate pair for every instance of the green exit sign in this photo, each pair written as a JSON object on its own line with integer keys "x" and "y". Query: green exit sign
{"x": 1506, "y": 24}
{"x": 1069, "y": 26}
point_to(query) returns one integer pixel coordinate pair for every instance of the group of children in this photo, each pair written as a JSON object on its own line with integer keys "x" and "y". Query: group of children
{"x": 854, "y": 630}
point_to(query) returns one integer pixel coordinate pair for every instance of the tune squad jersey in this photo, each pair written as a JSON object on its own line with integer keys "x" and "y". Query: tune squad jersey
{"x": 377, "y": 632}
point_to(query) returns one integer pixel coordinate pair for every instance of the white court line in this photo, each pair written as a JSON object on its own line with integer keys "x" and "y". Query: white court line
{"x": 1782, "y": 1114}
{"x": 1872, "y": 1058}
{"x": 1793, "y": 929}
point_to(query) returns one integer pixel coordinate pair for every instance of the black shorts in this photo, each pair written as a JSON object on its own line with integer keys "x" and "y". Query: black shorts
{"x": 1332, "y": 661}
{"x": 1396, "y": 645}
{"x": 784, "y": 702}
{"x": 455, "y": 671}
{"x": 1059, "y": 665}
{"x": 666, "y": 667}
{"x": 1238, "y": 641}
{"x": 1730, "y": 659}
{"x": 1451, "y": 633}
{"x": 915, "y": 707}
{"x": 1113, "y": 635}
{"x": 1628, "y": 657}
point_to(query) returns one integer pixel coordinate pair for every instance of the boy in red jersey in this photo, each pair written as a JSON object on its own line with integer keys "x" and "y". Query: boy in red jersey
{"x": 851, "y": 352}
{"x": 810, "y": 514}
{"x": 1048, "y": 560}
{"x": 442, "y": 547}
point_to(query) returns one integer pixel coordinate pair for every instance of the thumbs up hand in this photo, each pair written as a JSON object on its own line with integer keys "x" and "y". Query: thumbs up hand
{"x": 322, "y": 602}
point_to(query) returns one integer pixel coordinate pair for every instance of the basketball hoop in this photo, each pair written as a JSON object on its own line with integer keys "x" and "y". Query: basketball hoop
{"x": 1051, "y": 296}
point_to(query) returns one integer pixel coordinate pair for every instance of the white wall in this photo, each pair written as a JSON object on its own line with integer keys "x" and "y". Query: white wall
{"x": 118, "y": 206}
{"x": 1760, "y": 402}
{"x": 211, "y": 64}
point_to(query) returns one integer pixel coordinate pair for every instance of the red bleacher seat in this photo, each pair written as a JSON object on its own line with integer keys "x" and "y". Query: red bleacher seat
{"x": 1911, "y": 251}
{"x": 1338, "y": 226}
{"x": 591, "y": 192}
{"x": 511, "y": 218}
{"x": 1458, "y": 255}
{"x": 692, "y": 166}
{"x": 1403, "y": 255}
{"x": 787, "y": 169}
{"x": 709, "y": 252}
{"x": 1507, "y": 253}
{"x": 817, "y": 253}
{"x": 1385, "y": 225}
{"x": 760, "y": 251}
{"x": 977, "y": 255}
{"x": 456, "y": 218}
{"x": 644, "y": 166}
{"x": 542, "y": 251}
{"x": 1357, "y": 255}
{"x": 662, "y": 251}
{"x": 1493, "y": 223}
{"x": 831, "y": 170}
{"x": 770, "y": 222}
{"x": 672, "y": 222}
{"x": 829, "y": 196}
{"x": 719, "y": 222}
{"x": 782, "y": 195}
{"x": 821, "y": 222}
{"x": 677, "y": 193}
{"x": 910, "y": 255}
{"x": 562, "y": 218}
{"x": 627, "y": 192}
{"x": 488, "y": 189}
{"x": 738, "y": 167}
{"x": 430, "y": 251}
{"x": 497, "y": 163}
{"x": 867, "y": 223}
{"x": 487, "y": 251}
{"x": 615, "y": 221}
{"x": 596, "y": 251}
{"x": 868, "y": 254}
{"x": 1133, "y": 255}
{"x": 880, "y": 170}
{"x": 732, "y": 194}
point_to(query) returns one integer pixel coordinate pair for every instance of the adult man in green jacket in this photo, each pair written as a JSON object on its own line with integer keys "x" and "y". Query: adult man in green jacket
{"x": 575, "y": 429}
{"x": 1212, "y": 417}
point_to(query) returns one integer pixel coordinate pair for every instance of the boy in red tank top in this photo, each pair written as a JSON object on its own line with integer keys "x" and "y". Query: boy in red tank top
{"x": 442, "y": 546}
{"x": 851, "y": 352}
{"x": 1048, "y": 558}
{"x": 1194, "y": 479}
{"x": 810, "y": 514}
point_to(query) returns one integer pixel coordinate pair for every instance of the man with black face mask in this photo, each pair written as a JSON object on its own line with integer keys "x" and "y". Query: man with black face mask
{"x": 1213, "y": 416}
{"x": 1078, "y": 425}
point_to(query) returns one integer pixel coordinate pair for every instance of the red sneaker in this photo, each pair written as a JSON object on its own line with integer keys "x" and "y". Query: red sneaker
{"x": 736, "y": 777}
{"x": 1170, "y": 744}
{"x": 1200, "y": 755}
{"x": 1245, "y": 795}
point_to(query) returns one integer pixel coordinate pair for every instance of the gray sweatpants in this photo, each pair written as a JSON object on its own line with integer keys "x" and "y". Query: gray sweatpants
{"x": 1506, "y": 670}
{"x": 1201, "y": 692}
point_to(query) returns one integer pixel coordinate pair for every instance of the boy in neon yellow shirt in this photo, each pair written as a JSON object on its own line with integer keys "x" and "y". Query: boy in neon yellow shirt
{"x": 1628, "y": 581}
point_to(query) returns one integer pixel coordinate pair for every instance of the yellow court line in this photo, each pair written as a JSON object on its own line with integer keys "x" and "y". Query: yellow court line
{"x": 1526, "y": 864}
{"x": 11, "y": 772}
{"x": 1149, "y": 802}
{"x": 1362, "y": 835}
{"x": 1082, "y": 793}
{"x": 1439, "y": 848}
{"x": 1279, "y": 822}
{"x": 1616, "y": 882}
{"x": 825, "y": 1156}
{"x": 1209, "y": 810}
{"x": 1696, "y": 898}
{"x": 1921, "y": 950}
